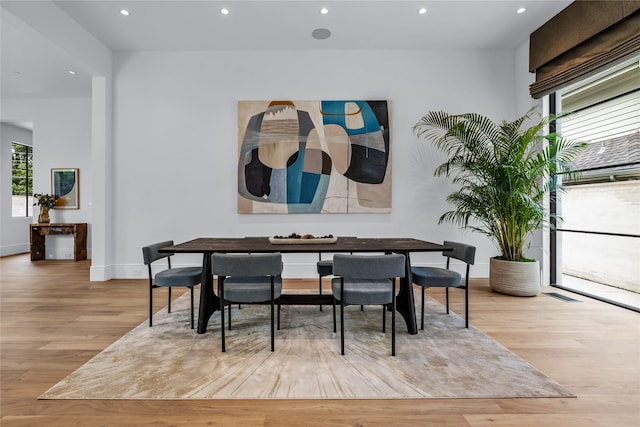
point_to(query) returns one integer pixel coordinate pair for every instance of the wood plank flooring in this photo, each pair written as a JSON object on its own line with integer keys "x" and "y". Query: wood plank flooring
{"x": 53, "y": 319}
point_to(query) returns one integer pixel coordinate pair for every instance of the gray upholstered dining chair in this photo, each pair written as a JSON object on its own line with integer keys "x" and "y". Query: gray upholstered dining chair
{"x": 169, "y": 277}
{"x": 325, "y": 268}
{"x": 435, "y": 277}
{"x": 367, "y": 280}
{"x": 248, "y": 279}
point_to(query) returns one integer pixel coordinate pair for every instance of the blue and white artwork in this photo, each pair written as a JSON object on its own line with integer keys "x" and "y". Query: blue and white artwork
{"x": 314, "y": 157}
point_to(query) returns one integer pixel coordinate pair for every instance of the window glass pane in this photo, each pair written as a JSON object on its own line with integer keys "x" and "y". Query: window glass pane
{"x": 21, "y": 180}
{"x": 599, "y": 235}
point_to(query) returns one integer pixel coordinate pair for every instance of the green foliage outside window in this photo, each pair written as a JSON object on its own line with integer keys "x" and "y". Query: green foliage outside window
{"x": 21, "y": 170}
{"x": 21, "y": 180}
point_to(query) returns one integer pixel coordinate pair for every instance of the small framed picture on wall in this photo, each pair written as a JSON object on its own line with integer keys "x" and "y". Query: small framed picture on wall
{"x": 65, "y": 187}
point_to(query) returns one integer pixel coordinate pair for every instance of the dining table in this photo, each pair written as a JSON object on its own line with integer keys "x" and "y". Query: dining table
{"x": 207, "y": 246}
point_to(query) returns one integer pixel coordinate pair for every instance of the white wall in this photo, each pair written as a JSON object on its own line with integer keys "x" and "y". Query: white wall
{"x": 175, "y": 141}
{"x": 174, "y": 144}
{"x": 12, "y": 230}
{"x": 61, "y": 139}
{"x": 88, "y": 57}
{"x": 539, "y": 244}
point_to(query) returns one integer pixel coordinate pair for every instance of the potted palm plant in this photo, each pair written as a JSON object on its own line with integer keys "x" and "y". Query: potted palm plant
{"x": 504, "y": 171}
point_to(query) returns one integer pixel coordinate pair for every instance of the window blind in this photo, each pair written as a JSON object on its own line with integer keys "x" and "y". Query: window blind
{"x": 581, "y": 40}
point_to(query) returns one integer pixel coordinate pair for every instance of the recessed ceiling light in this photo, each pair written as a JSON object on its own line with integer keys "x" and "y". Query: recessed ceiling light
{"x": 521, "y": 10}
{"x": 324, "y": 11}
{"x": 224, "y": 11}
{"x": 124, "y": 12}
{"x": 321, "y": 34}
{"x": 73, "y": 73}
{"x": 422, "y": 10}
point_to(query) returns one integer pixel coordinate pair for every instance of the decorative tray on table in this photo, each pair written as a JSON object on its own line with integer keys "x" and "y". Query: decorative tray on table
{"x": 305, "y": 239}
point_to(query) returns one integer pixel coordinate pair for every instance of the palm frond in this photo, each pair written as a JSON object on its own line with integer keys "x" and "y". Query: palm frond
{"x": 503, "y": 172}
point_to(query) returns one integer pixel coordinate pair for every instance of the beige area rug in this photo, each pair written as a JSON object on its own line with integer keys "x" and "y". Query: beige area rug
{"x": 171, "y": 361}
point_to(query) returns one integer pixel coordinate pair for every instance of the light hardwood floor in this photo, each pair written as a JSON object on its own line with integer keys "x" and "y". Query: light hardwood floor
{"x": 54, "y": 320}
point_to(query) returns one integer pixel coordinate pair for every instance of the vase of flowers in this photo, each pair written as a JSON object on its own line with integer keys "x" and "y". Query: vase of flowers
{"x": 45, "y": 202}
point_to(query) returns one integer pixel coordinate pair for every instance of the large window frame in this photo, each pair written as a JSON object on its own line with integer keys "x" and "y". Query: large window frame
{"x": 625, "y": 169}
{"x": 22, "y": 177}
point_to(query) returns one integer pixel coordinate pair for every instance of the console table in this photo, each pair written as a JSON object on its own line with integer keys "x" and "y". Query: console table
{"x": 39, "y": 231}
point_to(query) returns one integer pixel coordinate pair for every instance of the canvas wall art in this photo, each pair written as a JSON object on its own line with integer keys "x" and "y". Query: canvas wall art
{"x": 314, "y": 157}
{"x": 65, "y": 188}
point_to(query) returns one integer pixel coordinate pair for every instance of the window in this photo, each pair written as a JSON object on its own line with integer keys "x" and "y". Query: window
{"x": 596, "y": 249}
{"x": 21, "y": 180}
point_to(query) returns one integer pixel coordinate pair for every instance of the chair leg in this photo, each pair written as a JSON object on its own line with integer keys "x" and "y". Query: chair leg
{"x": 320, "y": 288}
{"x": 422, "y": 311}
{"x": 334, "y": 316}
{"x": 272, "y": 316}
{"x": 466, "y": 306}
{"x": 192, "y": 307}
{"x": 342, "y": 318}
{"x": 446, "y": 291}
{"x": 169, "y": 299}
{"x": 150, "y": 305}
{"x": 342, "y": 328}
{"x": 221, "y": 294}
{"x": 230, "y": 316}
{"x": 384, "y": 319}
{"x": 279, "y": 313}
{"x": 393, "y": 319}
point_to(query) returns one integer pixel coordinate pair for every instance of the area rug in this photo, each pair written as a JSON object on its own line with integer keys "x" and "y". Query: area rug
{"x": 172, "y": 361}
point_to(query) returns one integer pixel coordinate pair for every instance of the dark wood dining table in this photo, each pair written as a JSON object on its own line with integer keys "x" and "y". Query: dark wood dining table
{"x": 209, "y": 301}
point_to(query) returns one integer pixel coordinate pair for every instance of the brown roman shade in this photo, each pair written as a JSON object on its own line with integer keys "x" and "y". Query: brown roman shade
{"x": 582, "y": 39}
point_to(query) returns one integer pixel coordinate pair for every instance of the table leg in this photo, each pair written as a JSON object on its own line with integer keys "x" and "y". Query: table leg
{"x": 209, "y": 301}
{"x": 38, "y": 249}
{"x": 405, "y": 304}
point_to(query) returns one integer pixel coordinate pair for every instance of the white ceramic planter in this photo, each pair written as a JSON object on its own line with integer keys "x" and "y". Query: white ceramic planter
{"x": 516, "y": 278}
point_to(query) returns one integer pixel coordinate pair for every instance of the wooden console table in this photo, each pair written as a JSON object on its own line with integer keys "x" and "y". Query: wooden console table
{"x": 39, "y": 231}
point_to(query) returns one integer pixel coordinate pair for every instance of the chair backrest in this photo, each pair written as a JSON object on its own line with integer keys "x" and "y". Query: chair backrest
{"x": 247, "y": 265}
{"x": 151, "y": 253}
{"x": 461, "y": 251}
{"x": 369, "y": 266}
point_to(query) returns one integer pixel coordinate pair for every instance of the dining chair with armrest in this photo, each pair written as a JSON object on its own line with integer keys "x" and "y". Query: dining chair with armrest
{"x": 248, "y": 279}
{"x": 170, "y": 277}
{"x": 325, "y": 268}
{"x": 435, "y": 277}
{"x": 367, "y": 280}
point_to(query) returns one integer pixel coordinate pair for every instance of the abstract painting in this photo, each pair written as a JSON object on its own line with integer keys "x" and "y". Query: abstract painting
{"x": 64, "y": 187}
{"x": 314, "y": 157}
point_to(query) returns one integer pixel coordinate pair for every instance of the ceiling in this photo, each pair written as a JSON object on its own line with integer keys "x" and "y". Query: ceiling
{"x": 32, "y": 66}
